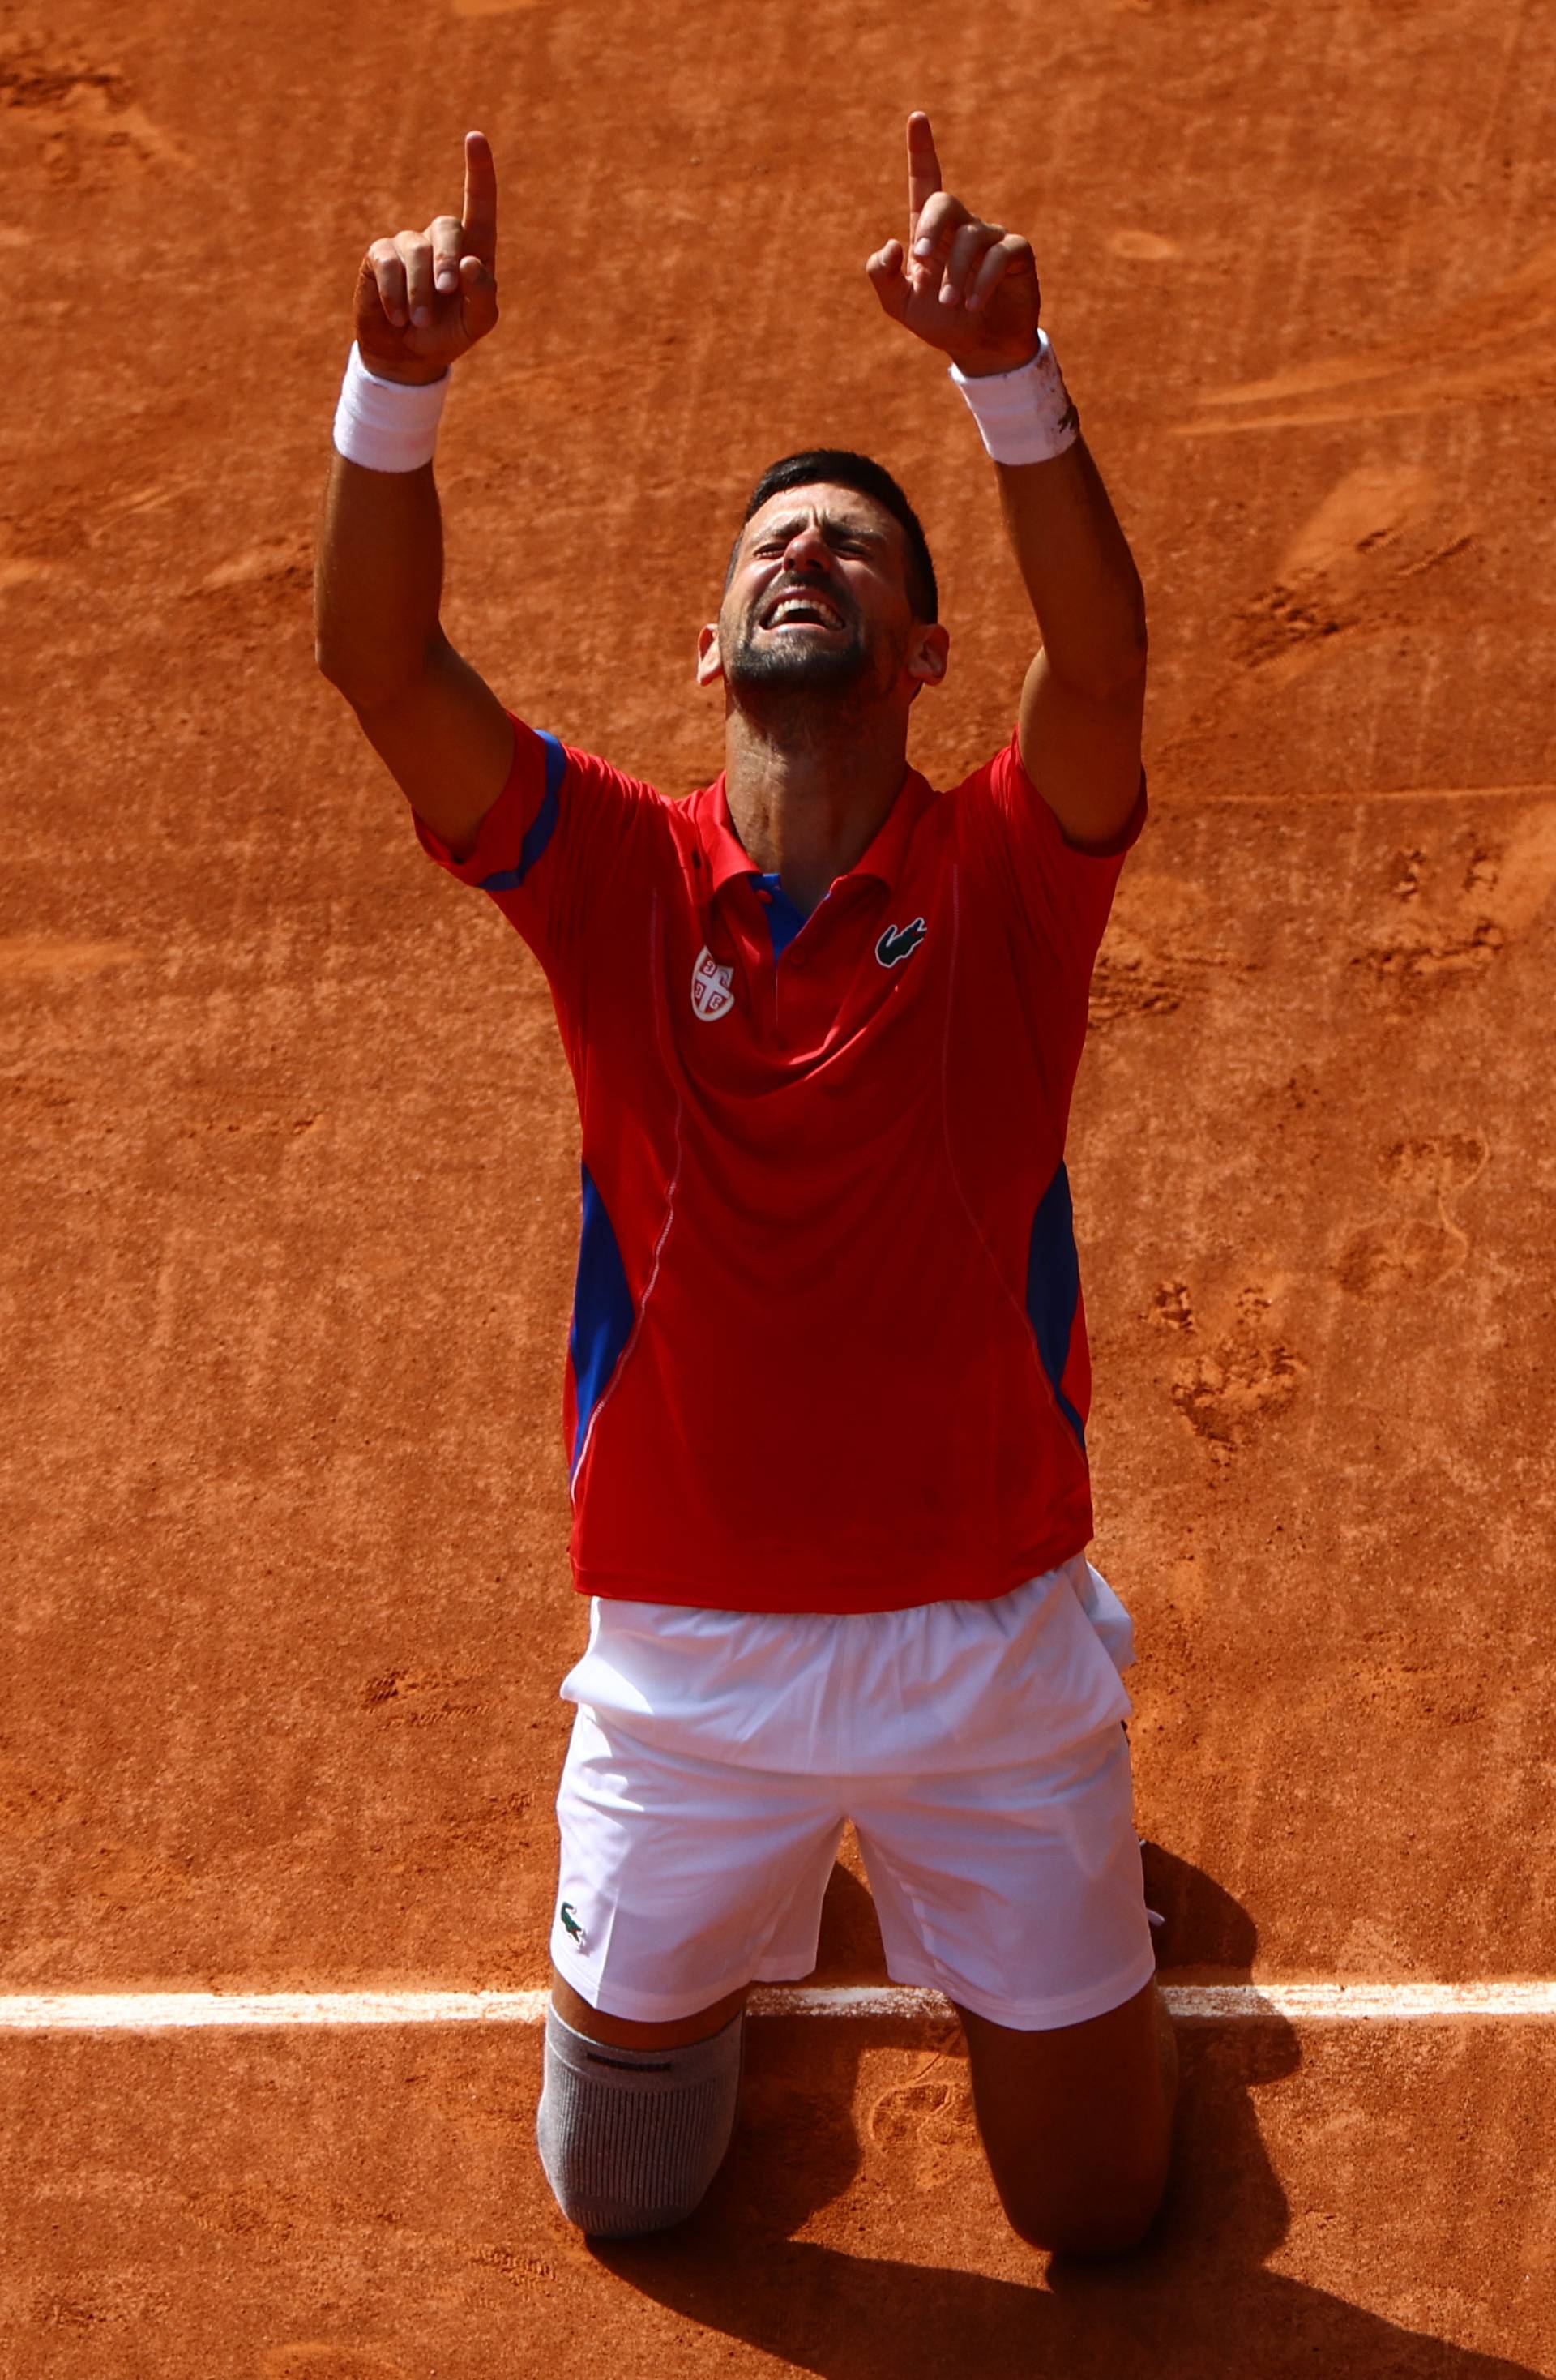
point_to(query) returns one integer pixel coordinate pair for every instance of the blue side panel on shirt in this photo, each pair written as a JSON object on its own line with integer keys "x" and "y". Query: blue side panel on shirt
{"x": 1054, "y": 1287}
{"x": 603, "y": 1312}
{"x": 508, "y": 880}
{"x": 784, "y": 920}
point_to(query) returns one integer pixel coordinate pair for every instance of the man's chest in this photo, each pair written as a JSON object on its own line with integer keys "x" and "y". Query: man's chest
{"x": 755, "y": 992}
{"x": 902, "y": 1015}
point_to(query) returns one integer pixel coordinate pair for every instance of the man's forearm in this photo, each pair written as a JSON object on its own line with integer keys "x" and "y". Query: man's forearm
{"x": 969, "y": 289}
{"x": 1078, "y": 571}
{"x": 377, "y": 580}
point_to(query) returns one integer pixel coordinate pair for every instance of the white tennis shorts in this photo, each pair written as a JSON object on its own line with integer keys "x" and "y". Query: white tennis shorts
{"x": 978, "y": 1749}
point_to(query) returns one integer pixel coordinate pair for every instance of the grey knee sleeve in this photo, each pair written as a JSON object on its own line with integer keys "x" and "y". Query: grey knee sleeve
{"x": 630, "y": 2138}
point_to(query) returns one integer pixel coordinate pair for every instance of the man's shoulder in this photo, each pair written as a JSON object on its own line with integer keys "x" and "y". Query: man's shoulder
{"x": 697, "y": 806}
{"x": 964, "y": 817}
{"x": 989, "y": 778}
{"x": 608, "y": 776}
{"x": 605, "y": 799}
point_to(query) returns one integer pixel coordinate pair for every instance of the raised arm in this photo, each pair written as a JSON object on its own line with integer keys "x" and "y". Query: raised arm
{"x": 969, "y": 289}
{"x": 423, "y": 300}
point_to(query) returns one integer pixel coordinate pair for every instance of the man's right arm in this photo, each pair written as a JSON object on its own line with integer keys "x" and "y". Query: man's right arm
{"x": 422, "y": 301}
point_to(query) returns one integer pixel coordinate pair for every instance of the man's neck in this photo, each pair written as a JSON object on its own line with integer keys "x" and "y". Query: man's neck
{"x": 807, "y": 801}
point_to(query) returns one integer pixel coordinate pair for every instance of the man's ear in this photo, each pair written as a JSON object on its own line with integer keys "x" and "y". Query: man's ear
{"x": 929, "y": 655}
{"x": 710, "y": 669}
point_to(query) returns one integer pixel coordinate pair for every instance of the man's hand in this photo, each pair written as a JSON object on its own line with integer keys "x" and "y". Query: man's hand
{"x": 962, "y": 284}
{"x": 424, "y": 299}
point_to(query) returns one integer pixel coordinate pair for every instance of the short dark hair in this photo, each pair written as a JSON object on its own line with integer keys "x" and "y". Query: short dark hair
{"x": 842, "y": 469}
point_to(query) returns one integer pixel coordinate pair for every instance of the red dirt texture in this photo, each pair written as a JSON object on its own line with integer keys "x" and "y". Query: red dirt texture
{"x": 291, "y": 1177}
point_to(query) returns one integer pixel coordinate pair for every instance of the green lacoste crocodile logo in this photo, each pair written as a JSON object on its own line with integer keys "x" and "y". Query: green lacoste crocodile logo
{"x": 569, "y": 1916}
{"x": 900, "y": 942}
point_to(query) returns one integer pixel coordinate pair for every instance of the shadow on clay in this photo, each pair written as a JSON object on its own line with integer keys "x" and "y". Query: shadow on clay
{"x": 1196, "y": 2303}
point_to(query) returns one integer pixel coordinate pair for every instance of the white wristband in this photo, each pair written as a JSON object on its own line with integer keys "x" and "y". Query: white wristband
{"x": 387, "y": 425}
{"x": 1023, "y": 415}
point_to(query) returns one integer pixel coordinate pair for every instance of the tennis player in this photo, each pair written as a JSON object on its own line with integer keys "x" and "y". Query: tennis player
{"x": 828, "y": 1378}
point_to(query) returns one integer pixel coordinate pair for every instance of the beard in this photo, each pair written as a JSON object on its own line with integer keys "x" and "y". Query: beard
{"x": 764, "y": 667}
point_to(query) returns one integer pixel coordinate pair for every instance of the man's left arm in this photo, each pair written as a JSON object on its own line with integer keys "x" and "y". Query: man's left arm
{"x": 969, "y": 289}
{"x": 1083, "y": 700}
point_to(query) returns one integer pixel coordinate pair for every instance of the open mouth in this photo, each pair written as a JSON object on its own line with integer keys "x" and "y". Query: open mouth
{"x": 807, "y": 611}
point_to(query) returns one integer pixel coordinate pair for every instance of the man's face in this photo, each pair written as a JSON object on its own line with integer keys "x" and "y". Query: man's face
{"x": 817, "y": 599}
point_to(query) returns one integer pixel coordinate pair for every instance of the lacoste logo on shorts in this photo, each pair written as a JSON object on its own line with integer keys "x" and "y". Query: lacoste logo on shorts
{"x": 571, "y": 1927}
{"x": 711, "y": 995}
{"x": 900, "y": 942}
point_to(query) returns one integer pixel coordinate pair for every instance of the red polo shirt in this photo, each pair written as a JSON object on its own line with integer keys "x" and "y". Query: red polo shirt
{"x": 828, "y": 1351}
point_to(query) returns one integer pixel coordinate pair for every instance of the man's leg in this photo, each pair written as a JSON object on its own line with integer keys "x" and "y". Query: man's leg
{"x": 635, "y": 2119}
{"x": 1018, "y": 1893}
{"x": 696, "y": 1874}
{"x": 685, "y": 1873}
{"x": 626, "y": 2033}
{"x": 1077, "y": 2123}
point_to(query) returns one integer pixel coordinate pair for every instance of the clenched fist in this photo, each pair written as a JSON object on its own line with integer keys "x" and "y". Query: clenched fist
{"x": 425, "y": 298}
{"x": 962, "y": 284}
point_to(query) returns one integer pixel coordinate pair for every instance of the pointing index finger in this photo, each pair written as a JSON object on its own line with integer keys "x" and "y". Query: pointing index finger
{"x": 923, "y": 169}
{"x": 480, "y": 198}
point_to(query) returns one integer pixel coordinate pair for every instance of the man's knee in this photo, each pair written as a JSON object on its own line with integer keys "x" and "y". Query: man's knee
{"x": 630, "y": 2138}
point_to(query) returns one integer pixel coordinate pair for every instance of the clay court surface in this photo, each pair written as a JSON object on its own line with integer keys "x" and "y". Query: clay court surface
{"x": 290, "y": 1187}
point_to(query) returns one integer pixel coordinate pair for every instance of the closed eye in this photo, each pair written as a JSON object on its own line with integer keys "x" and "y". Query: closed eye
{"x": 853, "y": 542}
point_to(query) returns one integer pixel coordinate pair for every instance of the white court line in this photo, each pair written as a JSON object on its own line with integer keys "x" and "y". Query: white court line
{"x": 1216, "y": 2003}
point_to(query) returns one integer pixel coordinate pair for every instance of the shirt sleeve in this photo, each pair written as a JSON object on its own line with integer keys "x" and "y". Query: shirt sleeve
{"x": 1064, "y": 893}
{"x": 562, "y": 838}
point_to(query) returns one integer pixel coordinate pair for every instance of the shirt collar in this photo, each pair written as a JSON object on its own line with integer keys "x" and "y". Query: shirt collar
{"x": 729, "y": 858}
